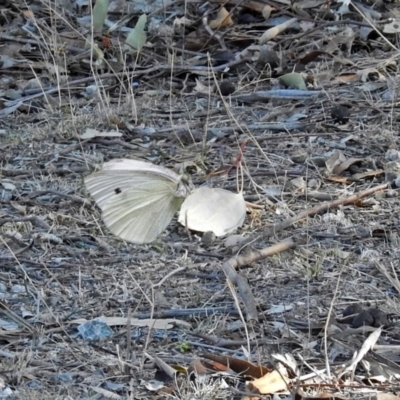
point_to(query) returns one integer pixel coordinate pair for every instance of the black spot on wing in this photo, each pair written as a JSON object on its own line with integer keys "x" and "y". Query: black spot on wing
{"x": 118, "y": 191}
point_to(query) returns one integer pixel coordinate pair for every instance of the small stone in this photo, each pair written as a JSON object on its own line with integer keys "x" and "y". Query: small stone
{"x": 319, "y": 162}
{"x": 313, "y": 184}
{"x": 268, "y": 56}
{"x": 223, "y": 57}
{"x": 340, "y": 114}
{"x": 392, "y": 155}
{"x": 391, "y": 194}
{"x": 208, "y": 238}
{"x": 392, "y": 171}
{"x": 233, "y": 240}
{"x": 246, "y": 18}
{"x": 380, "y": 317}
{"x": 352, "y": 309}
{"x": 18, "y": 289}
{"x": 226, "y": 87}
{"x": 363, "y": 319}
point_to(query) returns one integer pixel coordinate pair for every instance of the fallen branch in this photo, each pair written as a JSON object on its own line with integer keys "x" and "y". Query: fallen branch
{"x": 230, "y": 266}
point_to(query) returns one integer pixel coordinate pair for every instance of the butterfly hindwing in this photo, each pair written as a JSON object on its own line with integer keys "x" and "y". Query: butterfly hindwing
{"x": 140, "y": 214}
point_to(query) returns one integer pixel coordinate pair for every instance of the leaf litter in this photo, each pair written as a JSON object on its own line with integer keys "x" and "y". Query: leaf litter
{"x": 294, "y": 253}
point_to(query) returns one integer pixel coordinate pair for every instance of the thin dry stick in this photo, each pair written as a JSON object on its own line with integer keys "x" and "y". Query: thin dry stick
{"x": 166, "y": 277}
{"x": 128, "y": 342}
{"x": 240, "y": 281}
{"x": 312, "y": 211}
{"x": 236, "y": 300}
{"x": 329, "y": 322}
{"x": 256, "y": 255}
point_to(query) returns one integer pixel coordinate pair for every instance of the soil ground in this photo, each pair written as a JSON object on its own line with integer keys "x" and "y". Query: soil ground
{"x": 61, "y": 266}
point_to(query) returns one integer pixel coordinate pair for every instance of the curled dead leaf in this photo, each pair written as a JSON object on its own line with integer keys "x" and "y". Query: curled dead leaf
{"x": 213, "y": 209}
{"x": 223, "y": 19}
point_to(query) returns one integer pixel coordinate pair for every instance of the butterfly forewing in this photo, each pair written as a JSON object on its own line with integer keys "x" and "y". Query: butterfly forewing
{"x": 104, "y": 185}
{"x": 124, "y": 164}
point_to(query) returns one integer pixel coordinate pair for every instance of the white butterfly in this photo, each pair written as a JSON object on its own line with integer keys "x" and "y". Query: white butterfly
{"x": 138, "y": 199}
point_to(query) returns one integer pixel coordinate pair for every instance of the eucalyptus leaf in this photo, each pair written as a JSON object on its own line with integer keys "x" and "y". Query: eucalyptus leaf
{"x": 99, "y": 14}
{"x": 137, "y": 38}
{"x": 293, "y": 80}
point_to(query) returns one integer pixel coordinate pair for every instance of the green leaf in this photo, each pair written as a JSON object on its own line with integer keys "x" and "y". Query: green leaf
{"x": 137, "y": 38}
{"x": 99, "y": 14}
{"x": 293, "y": 80}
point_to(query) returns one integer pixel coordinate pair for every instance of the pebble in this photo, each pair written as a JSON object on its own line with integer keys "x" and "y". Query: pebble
{"x": 226, "y": 87}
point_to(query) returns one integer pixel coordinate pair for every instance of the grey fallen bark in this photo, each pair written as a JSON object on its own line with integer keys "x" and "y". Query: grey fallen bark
{"x": 286, "y": 94}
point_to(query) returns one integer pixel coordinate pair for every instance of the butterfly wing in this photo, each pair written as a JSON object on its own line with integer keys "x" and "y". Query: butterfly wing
{"x": 138, "y": 199}
{"x": 141, "y": 213}
{"x": 125, "y": 164}
{"x": 106, "y": 184}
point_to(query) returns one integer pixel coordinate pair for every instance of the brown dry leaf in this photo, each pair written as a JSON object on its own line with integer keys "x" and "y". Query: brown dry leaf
{"x": 297, "y": 8}
{"x": 368, "y": 174}
{"x": 273, "y": 382}
{"x": 365, "y": 203}
{"x": 240, "y": 366}
{"x": 346, "y": 78}
{"x": 365, "y": 74}
{"x": 28, "y": 14}
{"x": 338, "y": 169}
{"x": 198, "y": 367}
{"x": 223, "y": 19}
{"x": 339, "y": 179}
{"x": 195, "y": 40}
{"x": 204, "y": 367}
{"x": 362, "y": 75}
{"x": 336, "y": 159}
{"x": 312, "y": 56}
